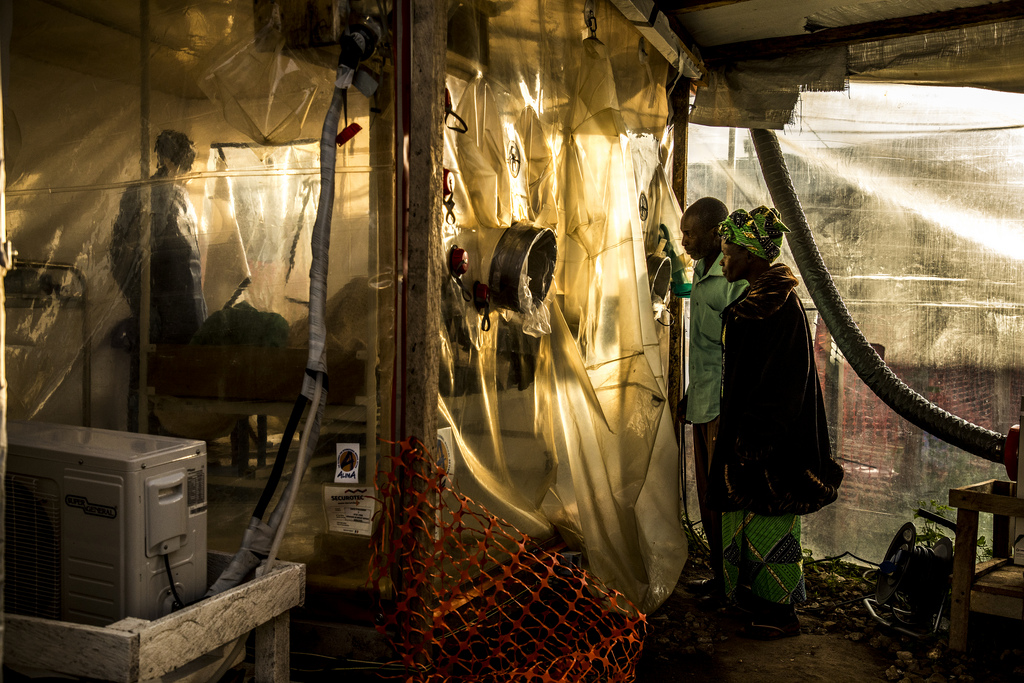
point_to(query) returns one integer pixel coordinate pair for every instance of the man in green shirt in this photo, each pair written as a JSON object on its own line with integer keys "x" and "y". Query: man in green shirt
{"x": 710, "y": 295}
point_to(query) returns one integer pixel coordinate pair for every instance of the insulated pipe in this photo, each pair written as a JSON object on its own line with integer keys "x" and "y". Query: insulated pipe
{"x": 263, "y": 540}
{"x": 862, "y": 358}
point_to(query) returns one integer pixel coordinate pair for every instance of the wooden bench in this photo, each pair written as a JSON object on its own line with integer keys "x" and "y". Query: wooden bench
{"x": 241, "y": 381}
{"x": 133, "y": 650}
{"x": 993, "y": 587}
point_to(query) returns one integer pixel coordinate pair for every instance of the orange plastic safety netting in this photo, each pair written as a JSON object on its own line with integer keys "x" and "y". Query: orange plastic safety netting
{"x": 477, "y": 600}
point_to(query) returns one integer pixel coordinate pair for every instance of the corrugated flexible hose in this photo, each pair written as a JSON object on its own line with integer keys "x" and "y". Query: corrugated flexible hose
{"x": 868, "y": 365}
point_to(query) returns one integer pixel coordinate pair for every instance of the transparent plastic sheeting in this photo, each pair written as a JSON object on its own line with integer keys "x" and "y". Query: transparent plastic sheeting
{"x": 559, "y": 414}
{"x": 763, "y": 93}
{"x": 913, "y": 194}
{"x": 253, "y": 111}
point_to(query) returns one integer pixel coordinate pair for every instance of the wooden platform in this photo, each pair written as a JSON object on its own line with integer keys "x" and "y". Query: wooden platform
{"x": 134, "y": 650}
{"x": 993, "y": 587}
{"x": 246, "y": 373}
{"x": 998, "y": 589}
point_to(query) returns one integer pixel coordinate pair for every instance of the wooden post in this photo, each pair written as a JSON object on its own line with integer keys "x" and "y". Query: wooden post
{"x": 680, "y": 127}
{"x": 424, "y": 260}
{"x": 421, "y": 40}
{"x": 273, "y": 651}
{"x": 963, "y": 575}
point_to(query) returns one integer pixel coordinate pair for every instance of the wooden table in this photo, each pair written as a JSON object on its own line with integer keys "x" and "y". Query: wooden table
{"x": 134, "y": 650}
{"x": 993, "y": 587}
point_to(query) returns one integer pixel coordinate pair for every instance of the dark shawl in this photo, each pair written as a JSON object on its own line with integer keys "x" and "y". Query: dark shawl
{"x": 772, "y": 455}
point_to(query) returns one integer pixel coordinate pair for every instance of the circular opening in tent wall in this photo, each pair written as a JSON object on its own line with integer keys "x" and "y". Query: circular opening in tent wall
{"x": 523, "y": 252}
{"x": 659, "y": 275}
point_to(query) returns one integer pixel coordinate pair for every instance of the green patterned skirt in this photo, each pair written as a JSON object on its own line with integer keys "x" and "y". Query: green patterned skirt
{"x": 763, "y": 553}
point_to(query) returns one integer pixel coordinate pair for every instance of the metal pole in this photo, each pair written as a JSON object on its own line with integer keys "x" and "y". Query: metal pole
{"x": 145, "y": 219}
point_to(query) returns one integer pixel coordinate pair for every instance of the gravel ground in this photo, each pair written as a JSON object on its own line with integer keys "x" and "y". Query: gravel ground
{"x": 840, "y": 641}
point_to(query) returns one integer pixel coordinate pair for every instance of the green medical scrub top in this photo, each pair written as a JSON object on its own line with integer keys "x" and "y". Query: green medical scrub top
{"x": 710, "y": 295}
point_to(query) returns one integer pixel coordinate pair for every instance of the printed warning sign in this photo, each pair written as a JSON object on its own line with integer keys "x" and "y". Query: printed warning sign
{"x": 349, "y": 510}
{"x": 347, "y": 471}
{"x": 445, "y": 451}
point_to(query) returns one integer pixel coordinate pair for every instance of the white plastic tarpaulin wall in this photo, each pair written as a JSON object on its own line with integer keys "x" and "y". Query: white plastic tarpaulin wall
{"x": 91, "y": 89}
{"x": 913, "y": 195}
{"x": 559, "y": 412}
{"x": 557, "y": 409}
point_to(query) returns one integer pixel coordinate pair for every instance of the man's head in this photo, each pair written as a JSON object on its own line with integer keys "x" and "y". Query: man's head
{"x": 700, "y": 227}
{"x": 750, "y": 242}
{"x": 174, "y": 148}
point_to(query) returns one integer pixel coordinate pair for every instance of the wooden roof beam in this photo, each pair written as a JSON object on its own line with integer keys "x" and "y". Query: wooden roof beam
{"x": 867, "y": 32}
{"x": 684, "y": 6}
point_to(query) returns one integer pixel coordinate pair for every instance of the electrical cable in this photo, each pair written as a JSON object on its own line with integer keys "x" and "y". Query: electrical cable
{"x": 833, "y": 605}
{"x": 837, "y": 557}
{"x": 292, "y": 491}
{"x": 282, "y": 455}
{"x": 177, "y": 603}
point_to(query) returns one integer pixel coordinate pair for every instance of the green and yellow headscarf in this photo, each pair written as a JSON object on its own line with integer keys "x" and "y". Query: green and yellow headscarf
{"x": 759, "y": 231}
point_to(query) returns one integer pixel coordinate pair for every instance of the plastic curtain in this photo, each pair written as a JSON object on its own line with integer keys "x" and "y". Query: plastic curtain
{"x": 565, "y": 429}
{"x": 911, "y": 194}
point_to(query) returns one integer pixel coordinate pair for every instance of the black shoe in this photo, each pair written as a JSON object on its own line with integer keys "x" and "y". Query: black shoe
{"x": 703, "y": 586}
{"x": 712, "y": 602}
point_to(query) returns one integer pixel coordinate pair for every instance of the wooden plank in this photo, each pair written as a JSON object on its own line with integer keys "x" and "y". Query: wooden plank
{"x": 273, "y": 651}
{"x": 1009, "y": 506}
{"x": 335, "y": 412}
{"x": 1006, "y": 580}
{"x": 129, "y": 625}
{"x": 187, "y": 634}
{"x": 73, "y": 649}
{"x": 999, "y": 605}
{"x": 994, "y": 486}
{"x": 676, "y": 7}
{"x": 254, "y": 373}
{"x": 135, "y": 649}
{"x": 863, "y": 33}
{"x": 983, "y": 568}
{"x": 963, "y": 573}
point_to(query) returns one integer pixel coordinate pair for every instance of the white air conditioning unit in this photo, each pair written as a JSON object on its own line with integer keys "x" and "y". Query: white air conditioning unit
{"x": 97, "y": 519}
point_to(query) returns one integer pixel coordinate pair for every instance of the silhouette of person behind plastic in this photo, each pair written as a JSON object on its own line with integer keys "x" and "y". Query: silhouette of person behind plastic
{"x": 177, "y": 306}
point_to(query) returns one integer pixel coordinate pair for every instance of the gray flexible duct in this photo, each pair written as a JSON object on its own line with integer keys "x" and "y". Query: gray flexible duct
{"x": 262, "y": 540}
{"x": 862, "y": 358}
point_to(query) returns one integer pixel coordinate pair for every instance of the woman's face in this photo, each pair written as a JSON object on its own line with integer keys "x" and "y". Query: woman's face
{"x": 735, "y": 261}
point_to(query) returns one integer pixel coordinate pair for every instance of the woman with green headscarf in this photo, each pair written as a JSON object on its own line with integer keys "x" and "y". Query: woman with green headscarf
{"x": 773, "y": 461}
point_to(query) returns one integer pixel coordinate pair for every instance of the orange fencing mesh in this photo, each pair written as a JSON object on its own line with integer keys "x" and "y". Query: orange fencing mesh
{"x": 477, "y": 600}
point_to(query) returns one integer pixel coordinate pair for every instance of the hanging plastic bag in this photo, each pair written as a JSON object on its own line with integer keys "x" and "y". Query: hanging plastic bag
{"x": 481, "y": 156}
{"x": 227, "y": 271}
{"x": 538, "y": 172}
{"x": 262, "y": 90}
